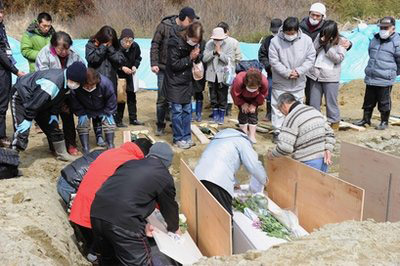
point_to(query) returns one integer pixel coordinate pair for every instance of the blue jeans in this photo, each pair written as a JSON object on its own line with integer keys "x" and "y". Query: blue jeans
{"x": 317, "y": 164}
{"x": 181, "y": 119}
{"x": 64, "y": 189}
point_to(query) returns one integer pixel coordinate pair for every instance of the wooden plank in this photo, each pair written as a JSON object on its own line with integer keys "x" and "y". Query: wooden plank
{"x": 371, "y": 170}
{"x": 126, "y": 136}
{"x": 343, "y": 125}
{"x": 317, "y": 198}
{"x": 258, "y": 129}
{"x": 213, "y": 227}
{"x": 197, "y": 132}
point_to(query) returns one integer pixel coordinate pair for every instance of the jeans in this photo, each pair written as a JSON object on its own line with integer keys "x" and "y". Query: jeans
{"x": 64, "y": 189}
{"x": 181, "y": 120}
{"x": 317, "y": 164}
{"x": 162, "y": 103}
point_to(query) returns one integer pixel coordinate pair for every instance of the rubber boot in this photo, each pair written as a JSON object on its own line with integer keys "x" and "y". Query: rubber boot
{"x": 199, "y": 110}
{"x": 61, "y": 152}
{"x": 110, "y": 140}
{"x": 384, "y": 121}
{"x": 366, "y": 119}
{"x": 221, "y": 119}
{"x": 98, "y": 131}
{"x": 244, "y": 128}
{"x": 215, "y": 114}
{"x": 252, "y": 133}
{"x": 85, "y": 143}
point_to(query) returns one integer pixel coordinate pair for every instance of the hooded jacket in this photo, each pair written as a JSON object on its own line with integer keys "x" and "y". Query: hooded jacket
{"x": 384, "y": 61}
{"x": 33, "y": 41}
{"x": 48, "y": 59}
{"x": 159, "y": 43}
{"x": 132, "y": 58}
{"x": 99, "y": 171}
{"x": 285, "y": 56}
{"x": 223, "y": 157}
{"x": 100, "y": 101}
{"x": 241, "y": 95}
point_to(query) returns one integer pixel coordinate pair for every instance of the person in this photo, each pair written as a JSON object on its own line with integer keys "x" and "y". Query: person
{"x": 7, "y": 67}
{"x": 263, "y": 57}
{"x": 305, "y": 135}
{"x": 96, "y": 99}
{"x": 199, "y": 86}
{"x": 132, "y": 53}
{"x": 381, "y": 72}
{"x": 218, "y": 54}
{"x": 168, "y": 27}
{"x": 37, "y": 36}
{"x": 248, "y": 92}
{"x": 183, "y": 51}
{"x": 126, "y": 199}
{"x": 37, "y": 96}
{"x": 59, "y": 55}
{"x": 220, "y": 161}
{"x": 103, "y": 55}
{"x": 325, "y": 74}
{"x": 238, "y": 56}
{"x": 291, "y": 55}
{"x": 314, "y": 22}
{"x": 99, "y": 171}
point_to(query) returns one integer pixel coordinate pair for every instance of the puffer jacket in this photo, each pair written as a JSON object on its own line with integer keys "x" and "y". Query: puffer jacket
{"x": 159, "y": 44}
{"x": 106, "y": 60}
{"x": 75, "y": 171}
{"x": 233, "y": 148}
{"x": 48, "y": 59}
{"x": 313, "y": 32}
{"x": 215, "y": 63}
{"x": 178, "y": 80}
{"x": 241, "y": 95}
{"x": 263, "y": 54}
{"x": 384, "y": 61}
{"x": 100, "y": 101}
{"x": 335, "y": 54}
{"x": 33, "y": 41}
{"x": 285, "y": 56}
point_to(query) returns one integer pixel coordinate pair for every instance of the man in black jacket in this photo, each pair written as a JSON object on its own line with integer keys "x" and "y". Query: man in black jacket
{"x": 264, "y": 59}
{"x": 126, "y": 199}
{"x": 37, "y": 96}
{"x": 168, "y": 27}
{"x": 7, "y": 66}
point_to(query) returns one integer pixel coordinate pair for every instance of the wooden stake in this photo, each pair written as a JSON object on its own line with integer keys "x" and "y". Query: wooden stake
{"x": 197, "y": 132}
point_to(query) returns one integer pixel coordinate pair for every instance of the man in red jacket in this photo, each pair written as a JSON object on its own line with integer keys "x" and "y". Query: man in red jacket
{"x": 99, "y": 171}
{"x": 248, "y": 92}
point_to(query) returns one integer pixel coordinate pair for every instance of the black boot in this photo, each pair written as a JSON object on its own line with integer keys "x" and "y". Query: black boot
{"x": 366, "y": 119}
{"x": 110, "y": 140}
{"x": 99, "y": 136}
{"x": 85, "y": 143}
{"x": 384, "y": 121}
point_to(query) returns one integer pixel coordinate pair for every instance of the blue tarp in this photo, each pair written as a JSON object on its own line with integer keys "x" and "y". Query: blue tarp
{"x": 352, "y": 68}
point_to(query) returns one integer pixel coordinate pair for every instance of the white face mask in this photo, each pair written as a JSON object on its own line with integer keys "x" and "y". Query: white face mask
{"x": 90, "y": 89}
{"x": 251, "y": 90}
{"x": 384, "y": 34}
{"x": 73, "y": 85}
{"x": 313, "y": 22}
{"x": 191, "y": 43}
{"x": 290, "y": 38}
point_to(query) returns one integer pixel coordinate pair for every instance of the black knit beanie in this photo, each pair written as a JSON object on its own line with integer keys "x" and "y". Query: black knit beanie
{"x": 77, "y": 72}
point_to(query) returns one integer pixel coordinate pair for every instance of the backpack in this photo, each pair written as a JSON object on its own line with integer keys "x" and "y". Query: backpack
{"x": 245, "y": 65}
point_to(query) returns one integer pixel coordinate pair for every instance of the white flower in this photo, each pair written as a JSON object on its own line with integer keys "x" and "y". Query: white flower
{"x": 182, "y": 218}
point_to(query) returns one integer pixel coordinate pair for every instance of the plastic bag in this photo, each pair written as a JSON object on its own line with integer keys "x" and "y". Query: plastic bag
{"x": 198, "y": 71}
{"x": 135, "y": 80}
{"x": 229, "y": 73}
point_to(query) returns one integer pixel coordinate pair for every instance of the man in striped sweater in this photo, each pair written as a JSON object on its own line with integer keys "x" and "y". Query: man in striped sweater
{"x": 305, "y": 135}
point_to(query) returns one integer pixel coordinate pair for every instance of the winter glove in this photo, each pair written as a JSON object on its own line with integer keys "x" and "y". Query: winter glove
{"x": 82, "y": 120}
{"x": 109, "y": 119}
{"x": 24, "y": 126}
{"x": 53, "y": 118}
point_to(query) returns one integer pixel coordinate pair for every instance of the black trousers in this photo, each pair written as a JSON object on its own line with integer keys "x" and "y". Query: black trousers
{"x": 68, "y": 122}
{"x": 218, "y": 95}
{"x": 198, "y": 96}
{"x": 220, "y": 194}
{"x": 5, "y": 87}
{"x": 119, "y": 246}
{"x": 251, "y": 119}
{"x": 20, "y": 140}
{"x": 307, "y": 91}
{"x": 378, "y": 95}
{"x": 132, "y": 109}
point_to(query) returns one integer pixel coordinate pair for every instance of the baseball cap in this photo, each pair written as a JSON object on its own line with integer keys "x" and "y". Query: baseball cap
{"x": 387, "y": 21}
{"x": 188, "y": 12}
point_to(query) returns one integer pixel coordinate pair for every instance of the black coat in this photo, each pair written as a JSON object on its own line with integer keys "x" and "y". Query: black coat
{"x": 263, "y": 54}
{"x": 6, "y": 66}
{"x": 106, "y": 60}
{"x": 306, "y": 29}
{"x": 132, "y": 58}
{"x": 75, "y": 171}
{"x": 178, "y": 79}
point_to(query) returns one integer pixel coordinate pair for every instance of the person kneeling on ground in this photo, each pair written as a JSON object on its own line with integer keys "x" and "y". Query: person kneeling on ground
{"x": 248, "y": 92}
{"x": 220, "y": 161}
{"x": 126, "y": 199}
{"x": 305, "y": 134}
{"x": 95, "y": 100}
{"x": 38, "y": 96}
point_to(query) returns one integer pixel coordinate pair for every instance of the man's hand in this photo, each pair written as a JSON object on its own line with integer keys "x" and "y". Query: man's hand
{"x": 245, "y": 108}
{"x": 21, "y": 73}
{"x": 252, "y": 109}
{"x": 328, "y": 157}
{"x": 134, "y": 69}
{"x": 155, "y": 69}
{"x": 149, "y": 230}
{"x": 127, "y": 70}
{"x": 194, "y": 53}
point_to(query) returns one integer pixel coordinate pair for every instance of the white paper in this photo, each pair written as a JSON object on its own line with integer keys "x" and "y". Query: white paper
{"x": 135, "y": 81}
{"x": 323, "y": 61}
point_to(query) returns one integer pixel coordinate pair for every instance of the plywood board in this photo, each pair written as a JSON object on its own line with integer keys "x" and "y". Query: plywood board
{"x": 211, "y": 223}
{"x": 200, "y": 135}
{"x": 373, "y": 171}
{"x": 315, "y": 197}
{"x": 345, "y": 125}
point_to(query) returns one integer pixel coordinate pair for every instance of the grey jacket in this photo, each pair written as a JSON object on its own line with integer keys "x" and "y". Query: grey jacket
{"x": 48, "y": 60}
{"x": 335, "y": 54}
{"x": 285, "y": 56}
{"x": 384, "y": 61}
{"x": 215, "y": 64}
{"x": 223, "y": 157}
